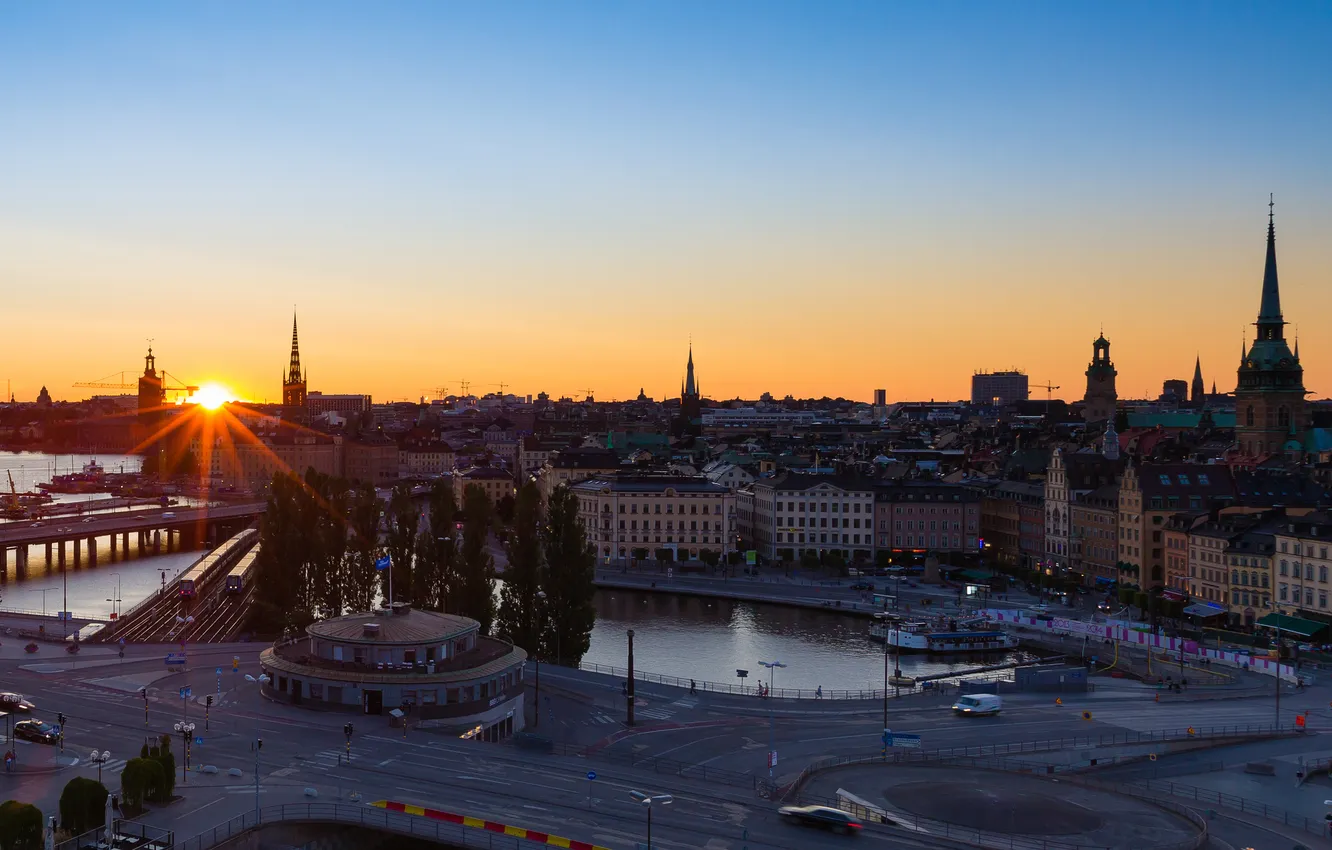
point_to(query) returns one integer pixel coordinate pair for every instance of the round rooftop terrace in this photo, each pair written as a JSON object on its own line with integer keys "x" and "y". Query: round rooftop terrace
{"x": 400, "y": 626}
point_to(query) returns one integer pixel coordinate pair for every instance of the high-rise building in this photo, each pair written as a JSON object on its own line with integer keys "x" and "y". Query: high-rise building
{"x": 294, "y": 383}
{"x": 1099, "y": 401}
{"x": 1175, "y": 391}
{"x": 1270, "y": 416}
{"x": 880, "y": 398}
{"x": 998, "y": 389}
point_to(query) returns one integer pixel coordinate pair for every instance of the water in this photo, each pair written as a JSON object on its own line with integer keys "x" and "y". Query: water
{"x": 89, "y": 589}
{"x": 709, "y": 639}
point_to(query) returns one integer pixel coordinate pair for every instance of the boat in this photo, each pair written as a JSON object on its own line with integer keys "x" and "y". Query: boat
{"x": 954, "y": 637}
{"x": 91, "y": 480}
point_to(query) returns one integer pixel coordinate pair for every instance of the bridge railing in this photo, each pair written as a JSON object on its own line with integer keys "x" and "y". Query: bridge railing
{"x": 354, "y": 815}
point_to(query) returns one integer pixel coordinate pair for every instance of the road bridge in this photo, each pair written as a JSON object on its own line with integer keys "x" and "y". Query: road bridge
{"x": 181, "y": 527}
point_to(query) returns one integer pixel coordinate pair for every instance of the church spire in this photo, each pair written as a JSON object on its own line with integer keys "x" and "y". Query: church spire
{"x": 690, "y": 388}
{"x": 294, "y": 370}
{"x": 1270, "y": 321}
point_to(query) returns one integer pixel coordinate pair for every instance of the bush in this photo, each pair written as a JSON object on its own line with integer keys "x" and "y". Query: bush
{"x": 20, "y": 826}
{"x": 140, "y": 780}
{"x": 82, "y": 805}
{"x": 709, "y": 557}
{"x": 1140, "y": 600}
{"x": 639, "y": 554}
{"x": 665, "y": 554}
{"x": 882, "y": 559}
{"x": 1126, "y": 595}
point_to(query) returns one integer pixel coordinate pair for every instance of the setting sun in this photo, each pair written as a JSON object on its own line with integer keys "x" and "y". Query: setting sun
{"x": 213, "y": 396}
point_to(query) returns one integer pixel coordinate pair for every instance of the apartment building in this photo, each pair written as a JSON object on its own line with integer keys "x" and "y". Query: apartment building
{"x": 1302, "y": 571}
{"x": 927, "y": 516}
{"x": 688, "y": 515}
{"x": 793, "y": 513}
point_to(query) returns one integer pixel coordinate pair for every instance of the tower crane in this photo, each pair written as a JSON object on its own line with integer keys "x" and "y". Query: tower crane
{"x": 589, "y": 394}
{"x": 501, "y": 386}
{"x": 117, "y": 381}
{"x": 464, "y": 385}
{"x": 1049, "y": 388}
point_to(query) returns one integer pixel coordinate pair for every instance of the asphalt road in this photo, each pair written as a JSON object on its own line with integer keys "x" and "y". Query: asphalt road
{"x": 503, "y": 783}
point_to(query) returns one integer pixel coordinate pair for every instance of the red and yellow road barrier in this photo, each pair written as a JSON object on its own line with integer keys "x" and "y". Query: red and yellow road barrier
{"x": 488, "y": 825}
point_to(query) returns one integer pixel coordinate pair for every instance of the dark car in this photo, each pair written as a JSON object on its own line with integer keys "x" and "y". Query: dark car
{"x": 36, "y": 730}
{"x": 820, "y": 816}
{"x": 14, "y": 702}
{"x": 863, "y": 585}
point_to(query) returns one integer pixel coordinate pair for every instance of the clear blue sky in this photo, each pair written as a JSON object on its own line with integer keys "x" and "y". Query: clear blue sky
{"x": 557, "y": 194}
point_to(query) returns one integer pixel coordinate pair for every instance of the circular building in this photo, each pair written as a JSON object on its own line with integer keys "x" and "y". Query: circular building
{"x": 438, "y": 666}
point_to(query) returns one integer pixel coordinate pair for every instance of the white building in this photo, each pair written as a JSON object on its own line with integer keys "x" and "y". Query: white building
{"x": 621, "y": 513}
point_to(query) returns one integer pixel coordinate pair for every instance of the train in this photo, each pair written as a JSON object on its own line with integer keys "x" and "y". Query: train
{"x": 193, "y": 580}
{"x": 239, "y": 577}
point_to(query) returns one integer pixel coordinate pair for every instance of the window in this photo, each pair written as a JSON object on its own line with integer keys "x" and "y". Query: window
{"x": 1183, "y": 479}
{"x": 1284, "y": 565}
{"x": 1165, "y": 480}
{"x": 1204, "y": 480}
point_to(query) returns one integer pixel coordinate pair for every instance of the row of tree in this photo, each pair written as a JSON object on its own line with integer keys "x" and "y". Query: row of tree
{"x": 321, "y": 540}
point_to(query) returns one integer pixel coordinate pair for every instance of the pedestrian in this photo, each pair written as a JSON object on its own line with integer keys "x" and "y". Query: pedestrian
{"x": 818, "y": 692}
{"x": 1184, "y": 681}
{"x": 692, "y": 690}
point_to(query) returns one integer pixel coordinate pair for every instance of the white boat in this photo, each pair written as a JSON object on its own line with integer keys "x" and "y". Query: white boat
{"x": 967, "y": 636}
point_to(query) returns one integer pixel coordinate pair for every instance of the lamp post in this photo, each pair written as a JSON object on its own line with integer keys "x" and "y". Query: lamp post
{"x": 772, "y": 724}
{"x": 43, "y": 591}
{"x": 646, "y": 801}
{"x": 116, "y": 599}
{"x": 262, "y": 680}
{"x": 186, "y": 729}
{"x": 100, "y": 759}
{"x": 629, "y": 685}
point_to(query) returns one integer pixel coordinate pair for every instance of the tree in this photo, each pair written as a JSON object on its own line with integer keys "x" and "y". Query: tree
{"x": 167, "y": 760}
{"x": 20, "y": 826}
{"x": 506, "y": 509}
{"x": 809, "y": 559}
{"x": 570, "y": 575}
{"x": 663, "y": 554}
{"x": 83, "y": 805}
{"x": 358, "y": 568}
{"x": 281, "y": 595}
{"x": 437, "y": 551}
{"x": 521, "y": 614}
{"x": 400, "y": 540}
{"x": 327, "y": 556}
{"x": 475, "y": 594}
{"x": 139, "y": 781}
{"x": 709, "y": 557}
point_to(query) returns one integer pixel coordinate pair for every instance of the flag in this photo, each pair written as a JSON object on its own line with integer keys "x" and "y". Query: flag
{"x": 382, "y": 563}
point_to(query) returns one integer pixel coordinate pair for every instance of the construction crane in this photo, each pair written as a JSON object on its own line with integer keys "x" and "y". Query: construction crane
{"x": 589, "y": 394}
{"x": 464, "y": 385}
{"x": 436, "y": 392}
{"x": 1049, "y": 388}
{"x": 501, "y": 386}
{"x": 110, "y": 382}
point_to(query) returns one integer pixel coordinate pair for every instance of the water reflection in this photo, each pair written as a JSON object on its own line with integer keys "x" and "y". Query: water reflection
{"x": 709, "y": 639}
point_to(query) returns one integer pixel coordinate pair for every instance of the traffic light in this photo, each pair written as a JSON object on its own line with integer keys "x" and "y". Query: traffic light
{"x": 347, "y": 730}
{"x": 209, "y": 702}
{"x": 259, "y": 744}
{"x": 60, "y": 719}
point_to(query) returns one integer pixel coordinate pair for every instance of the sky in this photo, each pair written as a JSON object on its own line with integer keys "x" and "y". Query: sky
{"x": 825, "y": 197}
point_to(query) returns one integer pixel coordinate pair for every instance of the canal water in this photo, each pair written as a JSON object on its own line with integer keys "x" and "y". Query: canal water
{"x": 92, "y": 591}
{"x": 709, "y": 639}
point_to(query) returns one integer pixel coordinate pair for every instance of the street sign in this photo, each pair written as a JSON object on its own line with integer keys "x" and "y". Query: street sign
{"x": 908, "y": 741}
{"x": 591, "y": 774}
{"x": 175, "y": 658}
{"x": 744, "y": 673}
{"x": 198, "y": 739}
{"x": 235, "y": 663}
{"x": 218, "y": 671}
{"x": 751, "y": 557}
{"x": 772, "y": 758}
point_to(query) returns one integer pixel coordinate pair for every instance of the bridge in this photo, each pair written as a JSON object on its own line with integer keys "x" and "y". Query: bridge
{"x": 183, "y": 527}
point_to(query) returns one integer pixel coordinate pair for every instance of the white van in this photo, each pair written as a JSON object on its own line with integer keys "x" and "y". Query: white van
{"x": 978, "y": 704}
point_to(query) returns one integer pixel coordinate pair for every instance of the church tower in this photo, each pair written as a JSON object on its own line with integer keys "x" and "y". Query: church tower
{"x": 691, "y": 402}
{"x": 1269, "y": 398}
{"x": 1099, "y": 402}
{"x": 1198, "y": 392}
{"x": 293, "y": 385}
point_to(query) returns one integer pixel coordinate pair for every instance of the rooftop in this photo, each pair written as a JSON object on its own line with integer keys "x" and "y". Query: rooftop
{"x": 404, "y": 626}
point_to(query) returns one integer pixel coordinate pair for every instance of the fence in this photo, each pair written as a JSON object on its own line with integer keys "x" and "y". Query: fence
{"x": 1314, "y": 826}
{"x": 366, "y": 816}
{"x": 792, "y": 693}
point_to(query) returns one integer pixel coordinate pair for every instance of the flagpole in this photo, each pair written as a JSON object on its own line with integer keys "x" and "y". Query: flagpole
{"x": 390, "y": 572}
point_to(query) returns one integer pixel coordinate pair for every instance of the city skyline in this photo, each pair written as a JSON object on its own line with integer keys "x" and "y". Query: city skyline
{"x": 559, "y": 199}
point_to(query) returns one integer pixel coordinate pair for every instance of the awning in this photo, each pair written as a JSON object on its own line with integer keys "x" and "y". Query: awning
{"x": 977, "y": 575}
{"x": 1174, "y": 594}
{"x": 1198, "y": 609}
{"x": 1291, "y": 625}
{"x": 1104, "y": 580}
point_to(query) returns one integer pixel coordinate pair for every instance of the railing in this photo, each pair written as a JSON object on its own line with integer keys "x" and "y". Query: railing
{"x": 789, "y": 693}
{"x": 366, "y": 816}
{"x": 1315, "y": 826}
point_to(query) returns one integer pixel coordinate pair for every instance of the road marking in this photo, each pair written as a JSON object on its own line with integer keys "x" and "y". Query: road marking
{"x": 483, "y": 779}
{"x": 210, "y": 803}
{"x": 536, "y": 808}
{"x": 410, "y": 790}
{"x": 386, "y": 761}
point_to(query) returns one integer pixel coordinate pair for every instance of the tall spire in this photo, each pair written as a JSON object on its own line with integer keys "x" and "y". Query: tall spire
{"x": 1269, "y": 312}
{"x": 690, "y": 388}
{"x": 294, "y": 370}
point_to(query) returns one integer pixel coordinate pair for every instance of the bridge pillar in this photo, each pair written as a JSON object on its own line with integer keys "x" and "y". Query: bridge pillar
{"x": 124, "y": 540}
{"x": 60, "y": 549}
{"x": 48, "y": 545}
{"x": 77, "y": 552}
{"x": 21, "y": 557}
{"x": 157, "y": 541}
{"x": 4, "y": 555}
{"x": 113, "y": 548}
{"x": 92, "y": 551}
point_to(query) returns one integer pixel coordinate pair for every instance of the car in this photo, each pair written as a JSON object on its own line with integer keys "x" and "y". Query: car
{"x": 863, "y": 585}
{"x": 36, "y": 525}
{"x": 87, "y": 519}
{"x": 14, "y": 702}
{"x": 978, "y": 705}
{"x": 1103, "y": 606}
{"x": 169, "y": 515}
{"x": 825, "y": 817}
{"x": 36, "y": 730}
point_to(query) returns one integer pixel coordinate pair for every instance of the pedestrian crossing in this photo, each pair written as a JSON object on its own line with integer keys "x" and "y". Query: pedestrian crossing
{"x": 654, "y": 713}
{"x": 602, "y": 719}
{"x": 111, "y": 766}
{"x": 327, "y": 758}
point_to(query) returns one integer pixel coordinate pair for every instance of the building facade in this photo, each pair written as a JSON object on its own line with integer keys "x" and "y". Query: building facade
{"x": 1094, "y": 535}
{"x": 1302, "y": 572}
{"x": 1069, "y": 476}
{"x": 495, "y": 483}
{"x": 794, "y": 513}
{"x": 568, "y": 466}
{"x": 372, "y": 459}
{"x": 998, "y": 389}
{"x": 294, "y": 384}
{"x": 927, "y": 516}
{"x": 688, "y": 515}
{"x": 346, "y": 405}
{"x": 1149, "y": 495}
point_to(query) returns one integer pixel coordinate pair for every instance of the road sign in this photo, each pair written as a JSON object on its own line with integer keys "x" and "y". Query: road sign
{"x": 198, "y": 739}
{"x": 1086, "y": 715}
{"x": 591, "y": 774}
{"x": 900, "y": 739}
{"x": 218, "y": 671}
{"x": 235, "y": 663}
{"x": 751, "y": 557}
{"x": 772, "y": 758}
{"x": 175, "y": 658}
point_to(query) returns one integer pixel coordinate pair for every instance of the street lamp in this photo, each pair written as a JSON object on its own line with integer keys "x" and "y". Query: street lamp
{"x": 100, "y": 759}
{"x": 262, "y": 680}
{"x": 186, "y": 729}
{"x": 772, "y": 724}
{"x": 116, "y": 600}
{"x": 647, "y": 800}
{"x": 43, "y": 591}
